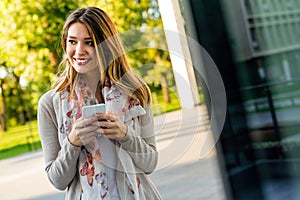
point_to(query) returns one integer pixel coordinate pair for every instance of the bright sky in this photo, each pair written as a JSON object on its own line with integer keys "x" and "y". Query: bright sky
{"x": 3, "y": 73}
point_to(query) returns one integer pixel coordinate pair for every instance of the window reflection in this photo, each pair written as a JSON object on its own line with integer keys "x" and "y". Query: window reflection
{"x": 256, "y": 46}
{"x": 265, "y": 42}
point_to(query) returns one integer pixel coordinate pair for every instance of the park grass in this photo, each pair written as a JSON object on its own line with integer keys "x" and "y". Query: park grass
{"x": 19, "y": 139}
{"x": 159, "y": 106}
{"x": 19, "y": 149}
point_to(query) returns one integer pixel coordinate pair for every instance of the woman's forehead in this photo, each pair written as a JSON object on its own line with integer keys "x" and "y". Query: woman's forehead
{"x": 78, "y": 30}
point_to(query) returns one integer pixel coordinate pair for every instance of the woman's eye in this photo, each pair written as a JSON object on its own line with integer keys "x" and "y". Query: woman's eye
{"x": 90, "y": 43}
{"x": 72, "y": 41}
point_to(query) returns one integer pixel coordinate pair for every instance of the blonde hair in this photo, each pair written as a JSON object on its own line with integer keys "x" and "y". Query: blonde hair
{"x": 113, "y": 63}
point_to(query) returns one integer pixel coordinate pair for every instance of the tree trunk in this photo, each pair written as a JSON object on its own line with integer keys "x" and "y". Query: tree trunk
{"x": 20, "y": 107}
{"x": 164, "y": 87}
{"x": 164, "y": 83}
{"x": 3, "y": 108}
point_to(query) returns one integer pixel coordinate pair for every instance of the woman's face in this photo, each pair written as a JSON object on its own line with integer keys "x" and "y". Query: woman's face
{"x": 80, "y": 49}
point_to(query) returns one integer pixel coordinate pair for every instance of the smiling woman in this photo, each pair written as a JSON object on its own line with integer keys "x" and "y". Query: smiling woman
{"x": 80, "y": 49}
{"x": 108, "y": 155}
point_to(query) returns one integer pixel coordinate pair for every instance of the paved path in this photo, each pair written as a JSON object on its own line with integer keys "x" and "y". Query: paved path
{"x": 187, "y": 168}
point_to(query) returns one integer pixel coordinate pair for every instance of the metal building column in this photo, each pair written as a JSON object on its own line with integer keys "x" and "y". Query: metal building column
{"x": 179, "y": 53}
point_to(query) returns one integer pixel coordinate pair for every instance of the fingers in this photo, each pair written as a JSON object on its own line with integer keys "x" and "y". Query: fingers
{"x": 85, "y": 128}
{"x": 88, "y": 134}
{"x": 106, "y": 117}
{"x": 113, "y": 127}
{"x": 109, "y": 125}
{"x": 83, "y": 123}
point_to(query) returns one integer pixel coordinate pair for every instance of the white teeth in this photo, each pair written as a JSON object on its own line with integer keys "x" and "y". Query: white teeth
{"x": 81, "y": 61}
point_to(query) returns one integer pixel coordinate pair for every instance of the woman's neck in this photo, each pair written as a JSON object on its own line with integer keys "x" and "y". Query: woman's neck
{"x": 92, "y": 79}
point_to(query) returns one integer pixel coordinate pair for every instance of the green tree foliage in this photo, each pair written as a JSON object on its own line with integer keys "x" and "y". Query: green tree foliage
{"x": 31, "y": 36}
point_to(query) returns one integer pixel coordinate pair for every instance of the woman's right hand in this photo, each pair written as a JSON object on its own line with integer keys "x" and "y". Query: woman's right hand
{"x": 84, "y": 130}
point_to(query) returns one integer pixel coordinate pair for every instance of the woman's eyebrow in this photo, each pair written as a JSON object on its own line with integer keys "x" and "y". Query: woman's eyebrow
{"x": 86, "y": 38}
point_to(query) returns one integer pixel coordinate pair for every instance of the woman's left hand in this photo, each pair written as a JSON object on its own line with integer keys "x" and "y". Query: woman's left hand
{"x": 111, "y": 126}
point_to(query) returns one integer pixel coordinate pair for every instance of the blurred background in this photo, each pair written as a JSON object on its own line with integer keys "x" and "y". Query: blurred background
{"x": 254, "y": 44}
{"x": 31, "y": 53}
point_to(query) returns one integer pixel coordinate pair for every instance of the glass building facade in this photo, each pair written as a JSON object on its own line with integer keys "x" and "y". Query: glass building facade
{"x": 256, "y": 47}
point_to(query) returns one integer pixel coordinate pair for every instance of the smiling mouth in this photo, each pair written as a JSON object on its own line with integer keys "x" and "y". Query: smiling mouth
{"x": 82, "y": 61}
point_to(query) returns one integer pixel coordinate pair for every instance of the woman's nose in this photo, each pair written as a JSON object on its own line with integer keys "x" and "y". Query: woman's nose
{"x": 80, "y": 48}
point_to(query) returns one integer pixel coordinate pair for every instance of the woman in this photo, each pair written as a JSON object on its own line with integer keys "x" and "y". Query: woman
{"x": 108, "y": 155}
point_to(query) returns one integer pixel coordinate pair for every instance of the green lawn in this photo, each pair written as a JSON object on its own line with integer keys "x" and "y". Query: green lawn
{"x": 19, "y": 139}
{"x": 19, "y": 149}
{"x": 159, "y": 106}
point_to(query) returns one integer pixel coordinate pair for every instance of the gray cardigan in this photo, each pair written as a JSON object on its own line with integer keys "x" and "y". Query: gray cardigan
{"x": 61, "y": 156}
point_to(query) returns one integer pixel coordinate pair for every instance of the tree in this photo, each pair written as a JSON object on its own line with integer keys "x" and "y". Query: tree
{"x": 31, "y": 34}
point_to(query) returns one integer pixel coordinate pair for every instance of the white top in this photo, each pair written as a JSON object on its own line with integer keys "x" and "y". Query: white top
{"x": 108, "y": 152}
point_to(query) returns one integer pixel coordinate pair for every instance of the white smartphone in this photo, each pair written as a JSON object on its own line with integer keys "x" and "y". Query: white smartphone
{"x": 88, "y": 111}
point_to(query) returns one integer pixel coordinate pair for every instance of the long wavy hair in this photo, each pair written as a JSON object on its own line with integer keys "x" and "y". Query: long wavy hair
{"x": 113, "y": 63}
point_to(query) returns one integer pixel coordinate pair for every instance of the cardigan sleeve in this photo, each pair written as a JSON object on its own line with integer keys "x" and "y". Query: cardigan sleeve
{"x": 60, "y": 159}
{"x": 140, "y": 143}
